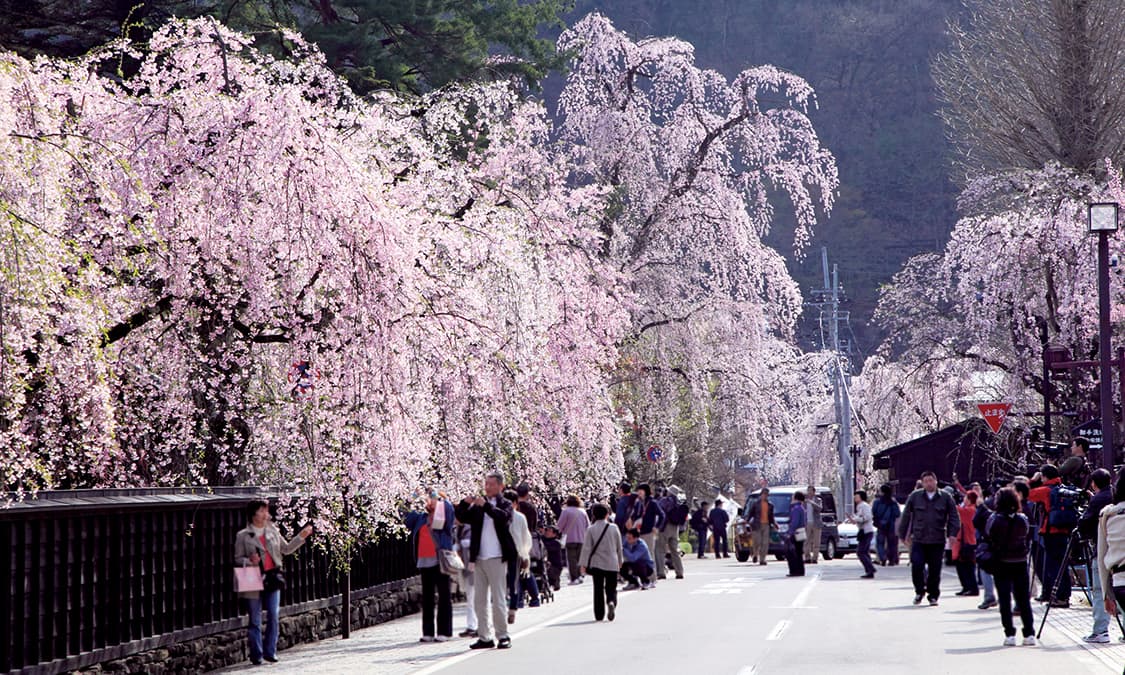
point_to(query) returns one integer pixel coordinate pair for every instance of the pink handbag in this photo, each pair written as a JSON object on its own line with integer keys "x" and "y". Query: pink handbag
{"x": 248, "y": 579}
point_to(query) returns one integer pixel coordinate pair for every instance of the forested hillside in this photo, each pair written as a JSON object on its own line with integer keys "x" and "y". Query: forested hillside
{"x": 869, "y": 61}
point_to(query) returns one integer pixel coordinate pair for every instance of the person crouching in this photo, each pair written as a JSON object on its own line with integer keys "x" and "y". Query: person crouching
{"x": 638, "y": 566}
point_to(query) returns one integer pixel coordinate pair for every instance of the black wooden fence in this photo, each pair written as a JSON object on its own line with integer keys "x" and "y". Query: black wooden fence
{"x": 92, "y": 575}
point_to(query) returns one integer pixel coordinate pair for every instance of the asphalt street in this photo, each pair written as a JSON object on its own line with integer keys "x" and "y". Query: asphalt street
{"x": 731, "y": 618}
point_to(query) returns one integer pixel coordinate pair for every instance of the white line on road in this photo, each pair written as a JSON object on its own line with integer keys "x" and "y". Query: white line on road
{"x": 778, "y": 630}
{"x": 522, "y": 634}
{"x": 748, "y": 670}
{"x": 799, "y": 601}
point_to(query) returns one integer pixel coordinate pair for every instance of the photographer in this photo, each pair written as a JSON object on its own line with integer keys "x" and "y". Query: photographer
{"x": 1088, "y": 530}
{"x": 1058, "y": 521}
{"x": 1076, "y": 470}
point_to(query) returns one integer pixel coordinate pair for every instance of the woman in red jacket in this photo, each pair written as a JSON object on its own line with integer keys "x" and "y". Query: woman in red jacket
{"x": 967, "y": 538}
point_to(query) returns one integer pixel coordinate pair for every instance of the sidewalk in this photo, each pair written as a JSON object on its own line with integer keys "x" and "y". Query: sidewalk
{"x": 393, "y": 648}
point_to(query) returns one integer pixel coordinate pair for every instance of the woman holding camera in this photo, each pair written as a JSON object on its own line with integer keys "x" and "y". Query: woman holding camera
{"x": 260, "y": 543}
{"x": 431, "y": 533}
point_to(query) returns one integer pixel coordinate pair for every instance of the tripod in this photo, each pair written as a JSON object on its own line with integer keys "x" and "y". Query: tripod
{"x": 1075, "y": 542}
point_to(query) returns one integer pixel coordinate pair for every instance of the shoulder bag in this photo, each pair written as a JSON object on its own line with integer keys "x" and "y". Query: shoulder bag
{"x": 598, "y": 543}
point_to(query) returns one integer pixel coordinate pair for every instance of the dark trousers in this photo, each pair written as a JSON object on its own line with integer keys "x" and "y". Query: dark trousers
{"x": 720, "y": 539}
{"x": 1013, "y": 583}
{"x": 1037, "y": 555}
{"x": 573, "y": 554}
{"x": 1054, "y": 546}
{"x": 554, "y": 575}
{"x": 518, "y": 584}
{"x": 967, "y": 569}
{"x": 925, "y": 568}
{"x": 434, "y": 580}
{"x": 795, "y": 552}
{"x": 701, "y": 547}
{"x": 887, "y": 544}
{"x": 863, "y": 552}
{"x": 605, "y": 590}
{"x": 636, "y": 573}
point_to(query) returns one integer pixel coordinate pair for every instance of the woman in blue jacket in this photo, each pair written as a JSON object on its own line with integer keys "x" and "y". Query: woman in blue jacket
{"x": 431, "y": 533}
{"x": 797, "y": 532}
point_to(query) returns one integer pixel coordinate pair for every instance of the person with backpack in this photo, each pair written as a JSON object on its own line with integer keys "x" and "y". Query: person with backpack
{"x": 886, "y": 512}
{"x": 1088, "y": 530}
{"x": 1111, "y": 550}
{"x": 602, "y": 557}
{"x": 1060, "y": 504}
{"x": 668, "y": 539}
{"x": 699, "y": 524}
{"x": 1006, "y": 540}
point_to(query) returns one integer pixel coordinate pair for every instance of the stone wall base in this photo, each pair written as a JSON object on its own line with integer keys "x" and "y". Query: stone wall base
{"x": 230, "y": 647}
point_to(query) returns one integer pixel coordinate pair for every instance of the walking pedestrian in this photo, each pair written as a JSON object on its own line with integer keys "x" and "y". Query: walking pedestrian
{"x": 528, "y": 583}
{"x": 491, "y": 549}
{"x": 647, "y": 516}
{"x": 718, "y": 519}
{"x": 700, "y": 525}
{"x": 668, "y": 539}
{"x": 1055, "y": 528}
{"x": 762, "y": 523}
{"x": 464, "y": 533}
{"x": 813, "y": 507}
{"x": 638, "y": 567}
{"x": 1111, "y": 550}
{"x": 966, "y": 546}
{"x": 260, "y": 544}
{"x": 573, "y": 522}
{"x": 864, "y": 520}
{"x": 519, "y": 569}
{"x": 1088, "y": 531}
{"x": 602, "y": 557}
{"x": 929, "y": 521}
{"x": 798, "y": 521}
{"x": 886, "y": 512}
{"x": 431, "y": 532}
{"x": 1007, "y": 531}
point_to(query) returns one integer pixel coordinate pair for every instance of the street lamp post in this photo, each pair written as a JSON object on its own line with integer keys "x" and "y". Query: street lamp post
{"x": 1102, "y": 219}
{"x": 855, "y": 452}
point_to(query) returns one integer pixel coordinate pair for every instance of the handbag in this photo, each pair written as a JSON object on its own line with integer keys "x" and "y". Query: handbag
{"x": 247, "y": 579}
{"x": 985, "y": 561}
{"x": 800, "y": 534}
{"x": 449, "y": 562}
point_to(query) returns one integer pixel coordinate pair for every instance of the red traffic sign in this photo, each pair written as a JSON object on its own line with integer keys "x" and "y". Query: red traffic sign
{"x": 994, "y": 414}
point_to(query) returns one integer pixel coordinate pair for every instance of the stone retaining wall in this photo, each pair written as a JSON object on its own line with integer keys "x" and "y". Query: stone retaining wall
{"x": 300, "y": 625}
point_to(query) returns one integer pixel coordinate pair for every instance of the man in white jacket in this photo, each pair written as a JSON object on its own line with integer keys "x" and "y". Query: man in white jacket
{"x": 520, "y": 568}
{"x": 1111, "y": 549}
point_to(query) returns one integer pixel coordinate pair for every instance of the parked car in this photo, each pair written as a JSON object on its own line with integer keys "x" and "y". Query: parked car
{"x": 781, "y": 496}
{"x": 849, "y": 539}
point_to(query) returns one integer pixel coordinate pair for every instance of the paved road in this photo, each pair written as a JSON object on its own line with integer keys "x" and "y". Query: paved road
{"x": 736, "y": 619}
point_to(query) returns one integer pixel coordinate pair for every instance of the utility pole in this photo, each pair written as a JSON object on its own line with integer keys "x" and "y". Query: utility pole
{"x": 832, "y": 318}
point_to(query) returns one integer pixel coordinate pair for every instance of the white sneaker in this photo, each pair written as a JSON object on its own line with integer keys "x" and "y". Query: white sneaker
{"x": 427, "y": 638}
{"x": 1029, "y": 641}
{"x": 1010, "y": 641}
{"x": 442, "y": 638}
{"x": 1097, "y": 638}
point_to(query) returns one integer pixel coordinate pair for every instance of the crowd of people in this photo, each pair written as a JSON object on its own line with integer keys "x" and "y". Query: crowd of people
{"x": 507, "y": 551}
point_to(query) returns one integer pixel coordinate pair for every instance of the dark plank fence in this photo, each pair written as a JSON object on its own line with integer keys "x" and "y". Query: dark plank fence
{"x": 92, "y": 575}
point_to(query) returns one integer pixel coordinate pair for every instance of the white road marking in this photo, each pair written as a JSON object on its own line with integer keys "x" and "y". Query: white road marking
{"x": 778, "y": 630}
{"x": 442, "y": 665}
{"x": 799, "y": 601}
{"x": 748, "y": 670}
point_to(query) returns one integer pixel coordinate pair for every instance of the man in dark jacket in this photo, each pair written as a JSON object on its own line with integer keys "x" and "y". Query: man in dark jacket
{"x": 623, "y": 507}
{"x": 718, "y": 519}
{"x": 647, "y": 516}
{"x": 1088, "y": 530}
{"x": 490, "y": 550}
{"x": 928, "y": 521}
{"x": 700, "y": 525}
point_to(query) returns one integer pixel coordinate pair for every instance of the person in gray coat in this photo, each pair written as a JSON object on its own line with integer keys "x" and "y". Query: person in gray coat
{"x": 602, "y": 557}
{"x": 929, "y": 519}
{"x": 260, "y": 543}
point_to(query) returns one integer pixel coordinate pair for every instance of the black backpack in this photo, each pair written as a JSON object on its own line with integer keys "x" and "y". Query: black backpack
{"x": 678, "y": 515}
{"x": 1063, "y": 514}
